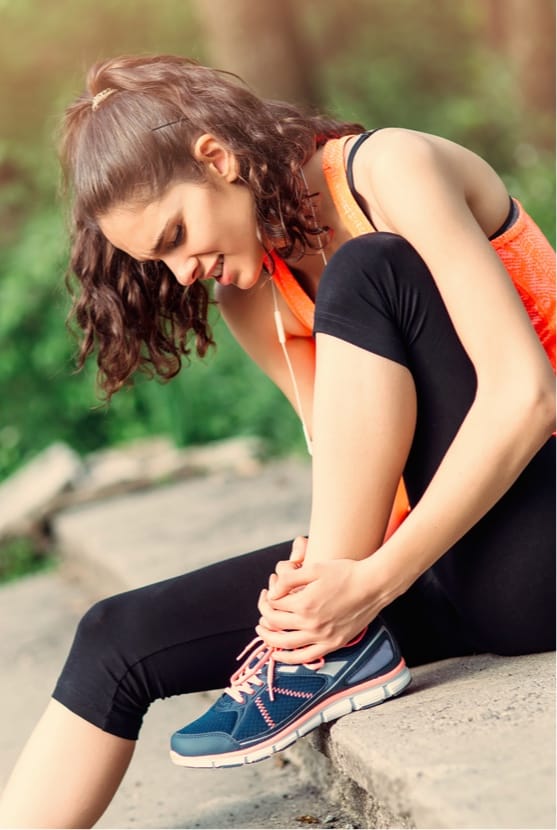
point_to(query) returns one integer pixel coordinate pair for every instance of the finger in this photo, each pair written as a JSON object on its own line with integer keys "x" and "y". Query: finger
{"x": 264, "y": 605}
{"x": 295, "y": 603}
{"x": 275, "y": 580}
{"x": 262, "y": 602}
{"x": 281, "y": 639}
{"x": 267, "y": 603}
{"x": 290, "y": 581}
{"x": 285, "y": 566}
{"x": 277, "y": 619}
{"x": 299, "y": 549}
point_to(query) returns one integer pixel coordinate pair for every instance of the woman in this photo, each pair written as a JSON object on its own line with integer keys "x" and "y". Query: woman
{"x": 428, "y": 357}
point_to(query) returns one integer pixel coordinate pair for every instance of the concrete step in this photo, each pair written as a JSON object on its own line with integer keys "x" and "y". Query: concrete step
{"x": 472, "y": 744}
{"x": 139, "y": 538}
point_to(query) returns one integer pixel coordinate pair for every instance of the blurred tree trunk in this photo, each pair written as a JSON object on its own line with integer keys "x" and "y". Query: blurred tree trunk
{"x": 260, "y": 41}
{"x": 524, "y": 31}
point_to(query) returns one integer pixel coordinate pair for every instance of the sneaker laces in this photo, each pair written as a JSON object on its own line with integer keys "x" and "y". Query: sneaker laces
{"x": 246, "y": 679}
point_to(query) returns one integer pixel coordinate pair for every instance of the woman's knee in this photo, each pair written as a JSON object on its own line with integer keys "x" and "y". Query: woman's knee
{"x": 102, "y": 679}
{"x": 99, "y": 628}
{"x": 376, "y": 270}
{"x": 376, "y": 293}
{"x": 375, "y": 247}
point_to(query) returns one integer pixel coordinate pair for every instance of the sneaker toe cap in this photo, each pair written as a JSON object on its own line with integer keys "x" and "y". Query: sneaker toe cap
{"x": 209, "y": 743}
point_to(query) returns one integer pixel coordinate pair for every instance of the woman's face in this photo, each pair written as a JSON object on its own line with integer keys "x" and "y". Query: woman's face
{"x": 199, "y": 230}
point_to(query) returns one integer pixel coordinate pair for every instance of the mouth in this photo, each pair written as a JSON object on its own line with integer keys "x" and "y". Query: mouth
{"x": 217, "y": 271}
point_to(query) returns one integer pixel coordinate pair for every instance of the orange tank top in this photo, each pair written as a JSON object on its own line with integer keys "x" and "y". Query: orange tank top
{"x": 523, "y": 249}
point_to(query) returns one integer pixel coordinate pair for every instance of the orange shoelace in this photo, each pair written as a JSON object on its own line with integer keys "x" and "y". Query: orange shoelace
{"x": 246, "y": 680}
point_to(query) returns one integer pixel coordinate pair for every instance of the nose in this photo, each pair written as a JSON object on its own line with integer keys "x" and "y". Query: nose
{"x": 185, "y": 269}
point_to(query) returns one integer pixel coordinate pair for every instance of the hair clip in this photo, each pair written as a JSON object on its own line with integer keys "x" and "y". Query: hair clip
{"x": 101, "y": 96}
{"x": 168, "y": 124}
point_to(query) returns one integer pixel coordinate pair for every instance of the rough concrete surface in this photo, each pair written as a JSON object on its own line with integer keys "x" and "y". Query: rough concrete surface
{"x": 141, "y": 538}
{"x": 472, "y": 744}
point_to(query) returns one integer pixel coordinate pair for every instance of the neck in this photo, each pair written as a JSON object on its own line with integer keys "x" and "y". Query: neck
{"x": 325, "y": 211}
{"x": 310, "y": 267}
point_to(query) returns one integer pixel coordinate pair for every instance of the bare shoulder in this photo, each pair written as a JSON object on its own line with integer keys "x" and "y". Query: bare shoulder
{"x": 391, "y": 145}
{"x": 397, "y": 160}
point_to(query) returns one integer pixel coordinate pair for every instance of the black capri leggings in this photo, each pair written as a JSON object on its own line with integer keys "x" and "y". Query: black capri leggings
{"x": 493, "y": 591}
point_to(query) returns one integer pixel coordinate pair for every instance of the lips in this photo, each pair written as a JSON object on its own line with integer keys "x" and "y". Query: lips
{"x": 216, "y": 273}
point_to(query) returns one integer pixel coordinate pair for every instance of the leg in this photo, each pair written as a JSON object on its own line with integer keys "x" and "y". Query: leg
{"x": 66, "y": 775}
{"x": 501, "y": 574}
{"x": 356, "y": 473}
{"x": 177, "y": 636}
{"x": 379, "y": 321}
{"x": 378, "y": 302}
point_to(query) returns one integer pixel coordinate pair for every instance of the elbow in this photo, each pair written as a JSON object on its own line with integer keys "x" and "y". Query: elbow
{"x": 547, "y": 406}
{"x": 539, "y": 412}
{"x": 522, "y": 409}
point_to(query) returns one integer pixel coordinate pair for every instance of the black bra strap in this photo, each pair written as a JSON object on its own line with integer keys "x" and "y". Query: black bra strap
{"x": 509, "y": 221}
{"x": 512, "y": 216}
{"x": 350, "y": 175}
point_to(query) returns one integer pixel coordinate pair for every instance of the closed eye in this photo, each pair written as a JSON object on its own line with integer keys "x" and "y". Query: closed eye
{"x": 178, "y": 237}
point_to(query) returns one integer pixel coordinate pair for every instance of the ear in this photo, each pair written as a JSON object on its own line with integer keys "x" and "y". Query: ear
{"x": 216, "y": 155}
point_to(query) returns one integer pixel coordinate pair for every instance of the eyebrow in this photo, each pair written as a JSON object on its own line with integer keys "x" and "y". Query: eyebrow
{"x": 159, "y": 244}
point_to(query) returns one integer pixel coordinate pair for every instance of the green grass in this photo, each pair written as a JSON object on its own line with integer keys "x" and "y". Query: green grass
{"x": 19, "y": 557}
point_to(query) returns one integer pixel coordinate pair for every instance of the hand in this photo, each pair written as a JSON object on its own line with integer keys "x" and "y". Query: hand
{"x": 311, "y": 610}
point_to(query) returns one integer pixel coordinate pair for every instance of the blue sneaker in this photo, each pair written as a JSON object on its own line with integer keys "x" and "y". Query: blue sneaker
{"x": 259, "y": 715}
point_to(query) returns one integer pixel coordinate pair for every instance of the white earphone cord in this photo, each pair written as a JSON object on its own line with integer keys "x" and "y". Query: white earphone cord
{"x": 282, "y": 336}
{"x": 282, "y": 340}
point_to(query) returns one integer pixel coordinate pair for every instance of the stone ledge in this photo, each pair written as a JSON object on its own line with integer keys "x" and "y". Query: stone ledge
{"x": 470, "y": 745}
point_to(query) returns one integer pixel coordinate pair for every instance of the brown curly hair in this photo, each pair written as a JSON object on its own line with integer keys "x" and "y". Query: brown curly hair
{"x": 133, "y": 147}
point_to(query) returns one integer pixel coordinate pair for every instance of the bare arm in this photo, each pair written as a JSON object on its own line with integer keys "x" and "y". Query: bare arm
{"x": 513, "y": 413}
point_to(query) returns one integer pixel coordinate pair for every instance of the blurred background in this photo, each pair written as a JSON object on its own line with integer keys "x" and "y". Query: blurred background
{"x": 478, "y": 71}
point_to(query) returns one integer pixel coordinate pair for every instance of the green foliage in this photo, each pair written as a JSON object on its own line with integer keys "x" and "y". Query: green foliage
{"x": 18, "y": 558}
{"x": 533, "y": 183}
{"x": 421, "y": 65}
{"x": 223, "y": 395}
{"x": 424, "y": 66}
